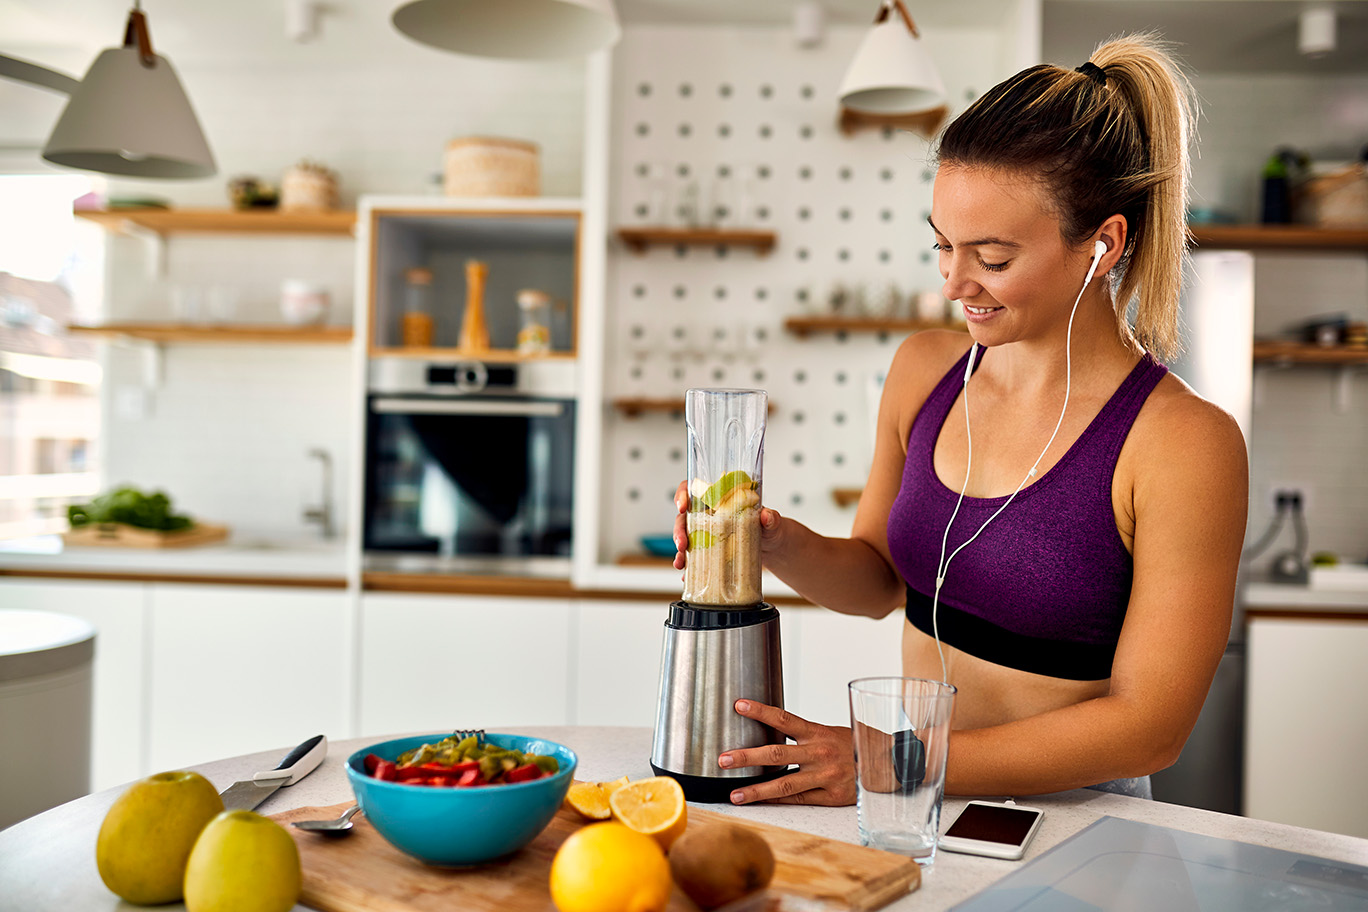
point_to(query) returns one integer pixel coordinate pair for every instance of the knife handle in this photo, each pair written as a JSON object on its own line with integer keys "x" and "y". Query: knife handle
{"x": 298, "y": 763}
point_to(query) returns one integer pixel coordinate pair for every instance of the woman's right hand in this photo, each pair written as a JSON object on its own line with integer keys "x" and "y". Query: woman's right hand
{"x": 770, "y": 535}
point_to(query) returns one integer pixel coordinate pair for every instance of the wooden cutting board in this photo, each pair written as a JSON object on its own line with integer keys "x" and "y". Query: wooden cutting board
{"x": 121, "y": 535}
{"x": 362, "y": 872}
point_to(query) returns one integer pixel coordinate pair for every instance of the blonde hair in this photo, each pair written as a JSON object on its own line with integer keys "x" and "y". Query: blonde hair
{"x": 1109, "y": 138}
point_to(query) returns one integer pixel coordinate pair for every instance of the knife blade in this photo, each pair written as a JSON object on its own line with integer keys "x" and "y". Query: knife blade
{"x": 298, "y": 763}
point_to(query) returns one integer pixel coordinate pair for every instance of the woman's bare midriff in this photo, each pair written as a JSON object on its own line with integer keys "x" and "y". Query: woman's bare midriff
{"x": 991, "y": 694}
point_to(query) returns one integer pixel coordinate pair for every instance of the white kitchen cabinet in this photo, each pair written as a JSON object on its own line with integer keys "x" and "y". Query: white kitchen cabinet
{"x": 434, "y": 663}
{"x": 829, "y": 651}
{"x": 617, "y": 661}
{"x": 236, "y": 669}
{"x": 1306, "y": 727}
{"x": 118, "y": 612}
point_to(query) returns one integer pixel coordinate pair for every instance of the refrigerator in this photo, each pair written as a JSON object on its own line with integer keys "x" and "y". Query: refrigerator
{"x": 1217, "y": 313}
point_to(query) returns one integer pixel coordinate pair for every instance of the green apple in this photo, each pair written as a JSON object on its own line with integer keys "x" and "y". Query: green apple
{"x": 242, "y": 862}
{"x": 148, "y": 833}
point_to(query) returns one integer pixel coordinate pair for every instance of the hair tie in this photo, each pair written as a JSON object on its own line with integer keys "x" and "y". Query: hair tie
{"x": 1091, "y": 69}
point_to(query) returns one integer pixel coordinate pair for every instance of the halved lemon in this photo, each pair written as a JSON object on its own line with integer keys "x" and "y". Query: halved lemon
{"x": 654, "y": 806}
{"x": 590, "y": 799}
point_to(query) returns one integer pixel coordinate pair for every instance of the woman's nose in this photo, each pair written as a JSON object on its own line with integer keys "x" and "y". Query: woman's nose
{"x": 957, "y": 286}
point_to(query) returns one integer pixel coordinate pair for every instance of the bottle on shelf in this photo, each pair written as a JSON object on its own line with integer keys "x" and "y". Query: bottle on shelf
{"x": 416, "y": 326}
{"x": 534, "y": 335}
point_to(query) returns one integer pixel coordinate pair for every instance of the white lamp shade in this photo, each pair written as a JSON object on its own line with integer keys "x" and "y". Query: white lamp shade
{"x": 515, "y": 29}
{"x": 891, "y": 73}
{"x": 130, "y": 119}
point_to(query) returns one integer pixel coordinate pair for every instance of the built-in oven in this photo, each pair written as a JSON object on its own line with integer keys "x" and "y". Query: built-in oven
{"x": 469, "y": 467}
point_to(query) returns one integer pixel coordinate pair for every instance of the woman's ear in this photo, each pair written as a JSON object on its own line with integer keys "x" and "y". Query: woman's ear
{"x": 1112, "y": 233}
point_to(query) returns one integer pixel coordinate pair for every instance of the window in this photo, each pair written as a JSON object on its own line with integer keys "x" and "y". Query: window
{"x": 49, "y": 380}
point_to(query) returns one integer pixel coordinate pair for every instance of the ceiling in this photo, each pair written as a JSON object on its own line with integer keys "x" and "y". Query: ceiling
{"x": 1212, "y": 35}
{"x": 1233, "y": 35}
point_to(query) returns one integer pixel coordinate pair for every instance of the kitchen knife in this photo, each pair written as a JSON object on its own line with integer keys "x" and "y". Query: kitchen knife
{"x": 298, "y": 763}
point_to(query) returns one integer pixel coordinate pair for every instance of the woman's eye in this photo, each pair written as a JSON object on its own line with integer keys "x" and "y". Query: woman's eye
{"x": 940, "y": 246}
{"x": 994, "y": 267}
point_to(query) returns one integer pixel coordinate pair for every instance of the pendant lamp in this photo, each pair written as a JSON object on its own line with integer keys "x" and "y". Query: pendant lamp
{"x": 514, "y": 29}
{"x": 891, "y": 72}
{"x": 130, "y": 116}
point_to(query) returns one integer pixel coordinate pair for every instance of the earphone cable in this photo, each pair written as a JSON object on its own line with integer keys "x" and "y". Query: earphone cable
{"x": 943, "y": 566}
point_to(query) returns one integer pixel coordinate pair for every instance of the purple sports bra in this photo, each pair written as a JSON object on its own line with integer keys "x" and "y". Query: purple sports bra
{"x": 1044, "y": 589}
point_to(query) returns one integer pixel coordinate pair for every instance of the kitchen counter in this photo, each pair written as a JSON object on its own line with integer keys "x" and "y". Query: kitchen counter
{"x": 48, "y": 862}
{"x": 242, "y": 558}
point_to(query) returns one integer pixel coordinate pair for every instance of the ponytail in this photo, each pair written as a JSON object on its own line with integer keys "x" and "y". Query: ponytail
{"x": 1108, "y": 138}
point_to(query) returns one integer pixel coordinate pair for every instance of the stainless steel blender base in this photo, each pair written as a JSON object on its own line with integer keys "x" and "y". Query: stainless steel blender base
{"x": 713, "y": 657}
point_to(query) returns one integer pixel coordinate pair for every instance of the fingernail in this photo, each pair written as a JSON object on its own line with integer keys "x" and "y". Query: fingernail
{"x": 724, "y": 760}
{"x": 742, "y": 706}
{"x": 737, "y": 797}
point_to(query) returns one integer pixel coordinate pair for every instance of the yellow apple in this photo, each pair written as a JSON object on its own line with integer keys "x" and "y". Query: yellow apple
{"x": 148, "y": 832}
{"x": 242, "y": 862}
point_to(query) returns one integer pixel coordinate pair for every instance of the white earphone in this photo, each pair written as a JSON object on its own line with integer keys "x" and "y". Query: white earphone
{"x": 1099, "y": 250}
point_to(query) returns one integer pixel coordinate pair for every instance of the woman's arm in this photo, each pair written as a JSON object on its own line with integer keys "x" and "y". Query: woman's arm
{"x": 855, "y": 575}
{"x": 1189, "y": 498}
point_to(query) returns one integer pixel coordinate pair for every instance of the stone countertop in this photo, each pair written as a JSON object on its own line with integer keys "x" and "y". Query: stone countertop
{"x": 48, "y": 862}
{"x": 242, "y": 555}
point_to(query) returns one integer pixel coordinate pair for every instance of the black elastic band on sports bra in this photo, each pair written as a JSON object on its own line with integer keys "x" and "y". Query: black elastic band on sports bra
{"x": 1098, "y": 74}
{"x": 986, "y": 640}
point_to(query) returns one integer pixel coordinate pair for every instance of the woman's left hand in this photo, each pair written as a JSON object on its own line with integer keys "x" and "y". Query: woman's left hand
{"x": 824, "y": 754}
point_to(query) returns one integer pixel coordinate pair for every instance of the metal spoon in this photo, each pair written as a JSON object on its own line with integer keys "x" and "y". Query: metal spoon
{"x": 340, "y": 825}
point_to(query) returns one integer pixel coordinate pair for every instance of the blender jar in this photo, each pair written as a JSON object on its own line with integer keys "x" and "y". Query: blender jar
{"x": 725, "y": 463}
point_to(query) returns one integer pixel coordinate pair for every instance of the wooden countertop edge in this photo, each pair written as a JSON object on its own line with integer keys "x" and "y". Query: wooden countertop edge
{"x": 384, "y": 582}
{"x": 226, "y": 579}
{"x": 1293, "y": 613}
{"x": 495, "y": 585}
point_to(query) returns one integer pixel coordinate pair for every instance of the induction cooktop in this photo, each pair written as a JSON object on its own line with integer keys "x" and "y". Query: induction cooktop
{"x": 1121, "y": 865}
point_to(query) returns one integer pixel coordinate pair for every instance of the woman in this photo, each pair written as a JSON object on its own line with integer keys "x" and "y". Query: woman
{"x": 1084, "y": 619}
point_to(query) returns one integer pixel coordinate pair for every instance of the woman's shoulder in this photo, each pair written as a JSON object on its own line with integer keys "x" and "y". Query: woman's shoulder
{"x": 925, "y": 357}
{"x": 921, "y": 361}
{"x": 1178, "y": 430}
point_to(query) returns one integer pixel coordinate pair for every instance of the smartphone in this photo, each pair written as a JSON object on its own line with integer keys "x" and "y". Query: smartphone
{"x": 995, "y": 830}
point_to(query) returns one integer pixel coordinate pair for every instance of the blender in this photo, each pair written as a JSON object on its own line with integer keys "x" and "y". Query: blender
{"x": 721, "y": 639}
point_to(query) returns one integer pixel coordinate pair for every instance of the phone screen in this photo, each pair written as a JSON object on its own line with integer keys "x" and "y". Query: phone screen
{"x": 991, "y": 823}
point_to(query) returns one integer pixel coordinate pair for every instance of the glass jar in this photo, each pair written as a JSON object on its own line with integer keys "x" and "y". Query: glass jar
{"x": 534, "y": 335}
{"x": 416, "y": 325}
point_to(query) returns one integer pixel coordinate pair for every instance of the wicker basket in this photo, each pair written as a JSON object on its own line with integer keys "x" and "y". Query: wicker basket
{"x": 1337, "y": 198}
{"x": 489, "y": 166}
{"x": 308, "y": 187}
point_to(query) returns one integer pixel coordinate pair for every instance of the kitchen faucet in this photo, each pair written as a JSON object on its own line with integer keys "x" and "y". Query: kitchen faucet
{"x": 323, "y": 513}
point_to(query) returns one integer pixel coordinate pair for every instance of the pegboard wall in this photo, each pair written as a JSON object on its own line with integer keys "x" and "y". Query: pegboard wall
{"x": 737, "y": 127}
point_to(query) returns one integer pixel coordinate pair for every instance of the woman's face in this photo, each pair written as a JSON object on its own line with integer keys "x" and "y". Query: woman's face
{"x": 1001, "y": 254}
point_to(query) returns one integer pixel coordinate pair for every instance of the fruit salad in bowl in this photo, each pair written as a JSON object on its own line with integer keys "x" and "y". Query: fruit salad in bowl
{"x": 461, "y": 800}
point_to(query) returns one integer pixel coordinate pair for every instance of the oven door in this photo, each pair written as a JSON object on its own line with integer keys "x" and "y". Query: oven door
{"x": 470, "y": 482}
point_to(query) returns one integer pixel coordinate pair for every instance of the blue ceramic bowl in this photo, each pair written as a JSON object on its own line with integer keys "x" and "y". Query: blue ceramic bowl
{"x": 659, "y": 545}
{"x": 460, "y": 826}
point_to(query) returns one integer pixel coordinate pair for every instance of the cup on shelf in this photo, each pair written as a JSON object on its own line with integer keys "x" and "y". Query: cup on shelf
{"x": 187, "y": 303}
{"x": 221, "y": 303}
{"x": 303, "y": 302}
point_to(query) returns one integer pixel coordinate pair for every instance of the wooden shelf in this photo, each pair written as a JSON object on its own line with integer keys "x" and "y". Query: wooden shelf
{"x": 1267, "y": 352}
{"x": 490, "y": 356}
{"x": 635, "y": 407}
{"x": 234, "y": 221}
{"x": 221, "y": 333}
{"x": 803, "y": 326}
{"x": 926, "y": 124}
{"x": 846, "y": 497}
{"x": 1278, "y": 237}
{"x": 638, "y": 239}
{"x": 632, "y": 559}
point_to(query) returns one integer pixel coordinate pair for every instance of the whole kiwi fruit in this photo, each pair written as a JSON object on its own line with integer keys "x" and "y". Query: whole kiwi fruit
{"x": 720, "y": 862}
